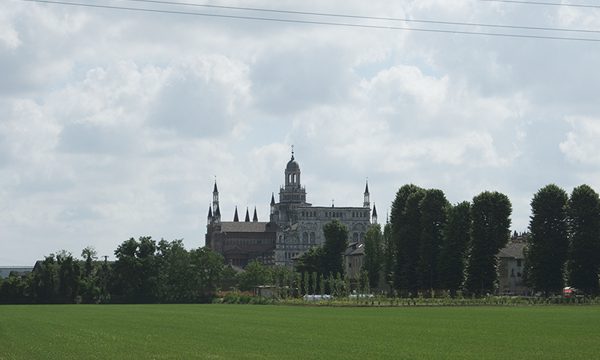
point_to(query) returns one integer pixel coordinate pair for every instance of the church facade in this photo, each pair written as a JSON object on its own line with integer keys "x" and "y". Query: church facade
{"x": 294, "y": 225}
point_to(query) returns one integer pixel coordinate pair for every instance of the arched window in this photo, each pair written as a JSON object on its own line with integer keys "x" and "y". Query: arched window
{"x": 355, "y": 236}
{"x": 304, "y": 238}
{"x": 312, "y": 237}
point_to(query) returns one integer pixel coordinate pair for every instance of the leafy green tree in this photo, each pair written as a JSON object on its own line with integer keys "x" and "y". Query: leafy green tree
{"x": 404, "y": 255}
{"x": 454, "y": 246}
{"x": 136, "y": 271}
{"x": 311, "y": 261}
{"x": 322, "y": 284}
{"x": 255, "y": 274}
{"x": 432, "y": 207}
{"x": 490, "y": 230}
{"x": 336, "y": 242}
{"x": 548, "y": 242}
{"x": 69, "y": 273}
{"x": 409, "y": 246}
{"x": 44, "y": 281}
{"x": 584, "y": 252}
{"x": 405, "y": 234}
{"x": 175, "y": 280}
{"x": 207, "y": 267}
{"x": 16, "y": 289}
{"x": 373, "y": 260}
{"x": 89, "y": 255}
{"x": 305, "y": 281}
{"x": 388, "y": 255}
{"x": 88, "y": 287}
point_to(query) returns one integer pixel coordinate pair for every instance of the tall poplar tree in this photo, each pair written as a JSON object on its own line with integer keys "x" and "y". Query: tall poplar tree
{"x": 373, "y": 254}
{"x": 584, "y": 252}
{"x": 432, "y": 207}
{"x": 405, "y": 232}
{"x": 547, "y": 244}
{"x": 490, "y": 230}
{"x": 336, "y": 242}
{"x": 457, "y": 233}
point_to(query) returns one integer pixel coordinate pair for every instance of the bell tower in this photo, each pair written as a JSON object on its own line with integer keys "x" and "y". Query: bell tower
{"x": 292, "y": 191}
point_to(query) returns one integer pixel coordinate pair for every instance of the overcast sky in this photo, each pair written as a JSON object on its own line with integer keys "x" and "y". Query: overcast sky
{"x": 114, "y": 124}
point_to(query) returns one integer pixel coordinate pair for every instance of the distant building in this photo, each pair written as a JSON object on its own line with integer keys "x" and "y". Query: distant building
{"x": 5, "y": 271}
{"x": 353, "y": 260}
{"x": 511, "y": 264}
{"x": 294, "y": 225}
{"x": 239, "y": 242}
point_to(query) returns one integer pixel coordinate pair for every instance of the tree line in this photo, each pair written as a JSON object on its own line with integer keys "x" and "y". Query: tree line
{"x": 564, "y": 244}
{"x": 428, "y": 245}
{"x": 144, "y": 272}
{"x": 431, "y": 245}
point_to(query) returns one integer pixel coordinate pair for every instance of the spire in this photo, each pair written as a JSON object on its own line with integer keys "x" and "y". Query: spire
{"x": 367, "y": 200}
{"x": 217, "y": 214}
{"x": 255, "y": 217}
{"x": 215, "y": 203}
{"x": 235, "y": 216}
{"x": 209, "y": 212}
{"x": 292, "y": 152}
{"x": 272, "y": 199}
{"x": 374, "y": 215}
{"x": 247, "y": 219}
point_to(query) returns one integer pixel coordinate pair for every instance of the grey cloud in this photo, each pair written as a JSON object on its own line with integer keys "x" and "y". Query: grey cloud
{"x": 93, "y": 138}
{"x": 289, "y": 80}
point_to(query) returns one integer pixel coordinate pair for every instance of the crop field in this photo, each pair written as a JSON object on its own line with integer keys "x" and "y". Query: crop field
{"x": 297, "y": 332}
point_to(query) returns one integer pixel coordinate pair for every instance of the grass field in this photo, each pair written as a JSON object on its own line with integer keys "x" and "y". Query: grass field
{"x": 295, "y": 332}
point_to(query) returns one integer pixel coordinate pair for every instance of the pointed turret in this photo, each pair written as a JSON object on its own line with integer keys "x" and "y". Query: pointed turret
{"x": 236, "y": 218}
{"x": 215, "y": 198}
{"x": 367, "y": 201}
{"x": 272, "y": 204}
{"x": 247, "y": 219}
{"x": 217, "y": 214}
{"x": 210, "y": 214}
{"x": 374, "y": 215}
{"x": 255, "y": 217}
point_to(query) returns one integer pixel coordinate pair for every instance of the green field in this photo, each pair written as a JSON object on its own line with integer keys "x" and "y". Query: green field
{"x": 295, "y": 332}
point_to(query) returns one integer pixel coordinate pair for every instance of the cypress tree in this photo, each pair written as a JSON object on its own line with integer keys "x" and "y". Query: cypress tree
{"x": 584, "y": 252}
{"x": 547, "y": 244}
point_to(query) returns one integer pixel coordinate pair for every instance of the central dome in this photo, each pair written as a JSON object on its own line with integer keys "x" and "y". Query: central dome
{"x": 292, "y": 165}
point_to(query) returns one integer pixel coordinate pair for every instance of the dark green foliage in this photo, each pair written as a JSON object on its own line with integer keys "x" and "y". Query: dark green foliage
{"x": 547, "y": 243}
{"x": 45, "y": 280}
{"x": 432, "y": 208}
{"x": 336, "y": 242}
{"x": 228, "y": 278}
{"x": 584, "y": 252}
{"x": 135, "y": 271}
{"x": 451, "y": 264}
{"x": 16, "y": 289}
{"x": 388, "y": 256}
{"x": 255, "y": 274}
{"x": 176, "y": 275}
{"x": 373, "y": 254}
{"x": 405, "y": 233}
{"x": 68, "y": 277}
{"x": 490, "y": 229}
{"x": 311, "y": 261}
{"x": 88, "y": 285}
{"x": 206, "y": 268}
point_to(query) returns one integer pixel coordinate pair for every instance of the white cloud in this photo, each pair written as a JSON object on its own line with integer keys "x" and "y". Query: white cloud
{"x": 581, "y": 145}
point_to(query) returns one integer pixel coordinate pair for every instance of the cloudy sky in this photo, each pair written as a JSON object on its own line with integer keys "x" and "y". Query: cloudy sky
{"x": 115, "y": 123}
